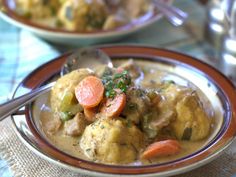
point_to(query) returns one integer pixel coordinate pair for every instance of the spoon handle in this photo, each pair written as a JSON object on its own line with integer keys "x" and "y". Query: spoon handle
{"x": 13, "y": 105}
{"x": 174, "y": 15}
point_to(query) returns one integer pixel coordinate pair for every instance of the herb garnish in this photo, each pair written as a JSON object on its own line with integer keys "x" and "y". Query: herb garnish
{"x": 116, "y": 81}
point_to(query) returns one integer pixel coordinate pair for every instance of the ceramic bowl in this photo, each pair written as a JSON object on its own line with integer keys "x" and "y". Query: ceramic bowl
{"x": 7, "y": 12}
{"x": 216, "y": 87}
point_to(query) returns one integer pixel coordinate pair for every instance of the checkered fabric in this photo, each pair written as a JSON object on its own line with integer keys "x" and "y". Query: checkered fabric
{"x": 20, "y": 53}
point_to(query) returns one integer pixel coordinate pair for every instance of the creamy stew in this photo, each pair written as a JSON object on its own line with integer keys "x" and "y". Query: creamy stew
{"x": 132, "y": 114}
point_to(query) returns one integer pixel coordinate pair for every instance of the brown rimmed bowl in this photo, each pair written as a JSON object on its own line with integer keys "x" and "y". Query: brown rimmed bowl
{"x": 56, "y": 35}
{"x": 217, "y": 88}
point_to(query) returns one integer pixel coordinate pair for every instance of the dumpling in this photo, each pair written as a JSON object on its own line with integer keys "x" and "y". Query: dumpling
{"x": 66, "y": 86}
{"x": 112, "y": 141}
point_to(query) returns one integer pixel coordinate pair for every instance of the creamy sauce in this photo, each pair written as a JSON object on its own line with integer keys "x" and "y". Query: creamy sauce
{"x": 65, "y": 143}
{"x": 70, "y": 144}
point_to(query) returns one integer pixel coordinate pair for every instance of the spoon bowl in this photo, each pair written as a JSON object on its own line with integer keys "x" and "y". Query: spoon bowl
{"x": 82, "y": 58}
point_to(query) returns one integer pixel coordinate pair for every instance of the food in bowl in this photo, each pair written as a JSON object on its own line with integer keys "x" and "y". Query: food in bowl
{"x": 83, "y": 15}
{"x": 132, "y": 114}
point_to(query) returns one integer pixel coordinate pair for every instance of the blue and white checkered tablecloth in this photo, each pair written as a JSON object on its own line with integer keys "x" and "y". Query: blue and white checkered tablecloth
{"x": 21, "y": 52}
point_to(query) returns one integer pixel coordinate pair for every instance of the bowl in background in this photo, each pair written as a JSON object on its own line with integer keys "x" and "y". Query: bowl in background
{"x": 60, "y": 36}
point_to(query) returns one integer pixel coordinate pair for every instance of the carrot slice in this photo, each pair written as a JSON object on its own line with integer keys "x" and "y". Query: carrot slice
{"x": 89, "y": 92}
{"x": 162, "y": 148}
{"x": 90, "y": 114}
{"x": 113, "y": 106}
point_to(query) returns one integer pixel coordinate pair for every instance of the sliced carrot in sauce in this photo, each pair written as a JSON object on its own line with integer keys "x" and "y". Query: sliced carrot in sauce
{"x": 112, "y": 107}
{"x": 162, "y": 148}
{"x": 89, "y": 92}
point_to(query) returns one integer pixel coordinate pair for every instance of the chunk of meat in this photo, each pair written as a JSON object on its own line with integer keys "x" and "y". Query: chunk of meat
{"x": 133, "y": 69}
{"x": 53, "y": 125}
{"x": 75, "y": 126}
{"x": 137, "y": 105}
{"x": 160, "y": 116}
{"x": 166, "y": 113}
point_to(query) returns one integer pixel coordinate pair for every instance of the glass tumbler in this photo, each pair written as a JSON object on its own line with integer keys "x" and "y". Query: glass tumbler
{"x": 228, "y": 46}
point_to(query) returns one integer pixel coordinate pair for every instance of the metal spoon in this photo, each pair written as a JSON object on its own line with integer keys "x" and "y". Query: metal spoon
{"x": 82, "y": 58}
{"x": 173, "y": 14}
